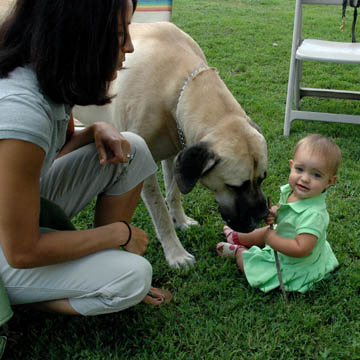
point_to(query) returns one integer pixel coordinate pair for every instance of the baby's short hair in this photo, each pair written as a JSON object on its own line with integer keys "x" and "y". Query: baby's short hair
{"x": 323, "y": 146}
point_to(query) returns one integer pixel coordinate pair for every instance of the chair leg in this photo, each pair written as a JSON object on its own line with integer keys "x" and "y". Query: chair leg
{"x": 289, "y": 97}
{"x": 298, "y": 77}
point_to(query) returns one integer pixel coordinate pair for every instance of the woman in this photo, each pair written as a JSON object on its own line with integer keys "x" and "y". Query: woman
{"x": 55, "y": 54}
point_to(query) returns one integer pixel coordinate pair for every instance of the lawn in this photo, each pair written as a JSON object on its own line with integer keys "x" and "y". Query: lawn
{"x": 215, "y": 314}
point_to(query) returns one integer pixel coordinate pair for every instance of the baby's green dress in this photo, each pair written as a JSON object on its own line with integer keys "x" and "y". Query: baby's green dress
{"x": 299, "y": 274}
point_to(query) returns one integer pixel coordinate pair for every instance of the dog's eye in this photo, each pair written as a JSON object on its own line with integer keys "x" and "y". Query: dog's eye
{"x": 233, "y": 187}
{"x": 260, "y": 180}
{"x": 241, "y": 187}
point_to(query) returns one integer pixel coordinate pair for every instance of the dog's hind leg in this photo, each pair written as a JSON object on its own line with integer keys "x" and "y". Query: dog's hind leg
{"x": 175, "y": 254}
{"x": 173, "y": 198}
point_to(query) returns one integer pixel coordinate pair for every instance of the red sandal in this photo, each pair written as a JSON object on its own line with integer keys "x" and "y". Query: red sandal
{"x": 228, "y": 250}
{"x": 231, "y": 236}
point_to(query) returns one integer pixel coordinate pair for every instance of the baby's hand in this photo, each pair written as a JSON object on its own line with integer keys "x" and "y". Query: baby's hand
{"x": 270, "y": 220}
{"x": 269, "y": 236}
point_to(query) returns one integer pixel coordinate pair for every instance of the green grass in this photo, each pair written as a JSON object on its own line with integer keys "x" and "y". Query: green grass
{"x": 215, "y": 314}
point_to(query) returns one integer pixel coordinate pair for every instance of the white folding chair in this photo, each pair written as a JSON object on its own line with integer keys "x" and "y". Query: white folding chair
{"x": 317, "y": 50}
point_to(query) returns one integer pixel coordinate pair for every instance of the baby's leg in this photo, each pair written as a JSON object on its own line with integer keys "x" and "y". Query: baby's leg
{"x": 239, "y": 260}
{"x": 232, "y": 251}
{"x": 255, "y": 237}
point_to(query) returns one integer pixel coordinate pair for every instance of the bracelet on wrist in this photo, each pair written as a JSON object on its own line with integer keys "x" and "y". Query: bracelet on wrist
{"x": 130, "y": 232}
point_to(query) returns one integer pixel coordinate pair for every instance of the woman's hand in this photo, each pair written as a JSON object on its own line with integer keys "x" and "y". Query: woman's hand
{"x": 112, "y": 147}
{"x": 138, "y": 242}
{"x": 271, "y": 218}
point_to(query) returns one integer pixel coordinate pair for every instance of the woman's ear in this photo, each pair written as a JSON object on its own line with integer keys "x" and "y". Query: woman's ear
{"x": 291, "y": 161}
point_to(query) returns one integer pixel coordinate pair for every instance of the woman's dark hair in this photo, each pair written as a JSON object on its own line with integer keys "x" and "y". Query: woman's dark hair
{"x": 72, "y": 45}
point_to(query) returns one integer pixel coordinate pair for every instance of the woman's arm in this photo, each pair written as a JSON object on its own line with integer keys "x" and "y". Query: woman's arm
{"x": 301, "y": 246}
{"x": 22, "y": 243}
{"x": 112, "y": 147}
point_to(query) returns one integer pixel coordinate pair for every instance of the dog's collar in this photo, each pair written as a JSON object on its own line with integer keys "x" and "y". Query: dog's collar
{"x": 179, "y": 129}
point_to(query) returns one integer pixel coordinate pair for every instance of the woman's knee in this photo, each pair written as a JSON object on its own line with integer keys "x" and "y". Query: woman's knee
{"x": 143, "y": 275}
{"x": 138, "y": 144}
{"x": 118, "y": 293}
{"x": 139, "y": 282}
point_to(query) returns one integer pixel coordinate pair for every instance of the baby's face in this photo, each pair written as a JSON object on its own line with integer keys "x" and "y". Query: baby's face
{"x": 309, "y": 174}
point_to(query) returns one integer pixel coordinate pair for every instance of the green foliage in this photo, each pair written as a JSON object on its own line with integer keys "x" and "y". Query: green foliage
{"x": 215, "y": 314}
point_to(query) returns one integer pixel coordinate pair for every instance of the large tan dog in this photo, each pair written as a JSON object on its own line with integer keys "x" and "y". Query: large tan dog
{"x": 168, "y": 94}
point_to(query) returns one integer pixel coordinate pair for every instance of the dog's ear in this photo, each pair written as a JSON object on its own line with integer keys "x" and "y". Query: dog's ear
{"x": 192, "y": 163}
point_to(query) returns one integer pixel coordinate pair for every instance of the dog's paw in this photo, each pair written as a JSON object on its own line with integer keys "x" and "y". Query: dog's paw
{"x": 179, "y": 260}
{"x": 185, "y": 224}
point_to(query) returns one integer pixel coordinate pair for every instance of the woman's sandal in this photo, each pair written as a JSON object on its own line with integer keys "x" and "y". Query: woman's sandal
{"x": 157, "y": 296}
{"x": 231, "y": 236}
{"x": 228, "y": 250}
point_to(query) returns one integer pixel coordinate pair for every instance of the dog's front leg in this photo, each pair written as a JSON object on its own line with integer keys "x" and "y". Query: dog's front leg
{"x": 173, "y": 198}
{"x": 175, "y": 254}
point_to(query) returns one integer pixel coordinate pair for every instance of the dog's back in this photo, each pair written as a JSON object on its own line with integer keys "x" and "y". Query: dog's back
{"x": 148, "y": 87}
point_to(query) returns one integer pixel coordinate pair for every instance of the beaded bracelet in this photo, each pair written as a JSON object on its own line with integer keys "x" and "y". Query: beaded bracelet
{"x": 130, "y": 232}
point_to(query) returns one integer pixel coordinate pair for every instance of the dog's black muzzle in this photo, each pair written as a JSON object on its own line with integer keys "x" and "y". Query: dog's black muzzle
{"x": 249, "y": 209}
